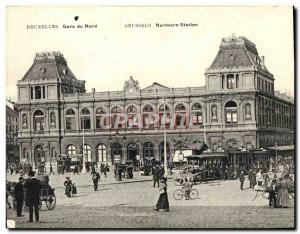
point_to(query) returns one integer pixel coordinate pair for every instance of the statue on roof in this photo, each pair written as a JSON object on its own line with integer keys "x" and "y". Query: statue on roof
{"x": 131, "y": 85}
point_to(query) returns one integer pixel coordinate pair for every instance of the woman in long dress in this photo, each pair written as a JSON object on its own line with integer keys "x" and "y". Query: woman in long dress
{"x": 283, "y": 195}
{"x": 163, "y": 201}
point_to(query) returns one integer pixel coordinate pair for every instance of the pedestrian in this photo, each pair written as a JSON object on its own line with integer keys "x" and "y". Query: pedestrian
{"x": 105, "y": 169}
{"x": 252, "y": 178}
{"x": 19, "y": 196}
{"x": 33, "y": 187}
{"x": 96, "y": 178}
{"x": 187, "y": 186}
{"x": 283, "y": 194}
{"x": 8, "y": 193}
{"x": 259, "y": 178}
{"x": 273, "y": 189}
{"x": 242, "y": 179}
{"x": 68, "y": 185}
{"x": 51, "y": 170}
{"x": 156, "y": 176}
{"x": 163, "y": 201}
{"x": 74, "y": 190}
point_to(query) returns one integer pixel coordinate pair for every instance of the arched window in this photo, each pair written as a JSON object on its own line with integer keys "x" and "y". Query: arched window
{"x": 164, "y": 121}
{"x": 214, "y": 113}
{"x": 148, "y": 117}
{"x": 102, "y": 156}
{"x": 38, "y": 120}
{"x": 116, "y": 117}
{"x": 248, "y": 111}
{"x": 148, "y": 150}
{"x": 132, "y": 152}
{"x": 231, "y": 112}
{"x": 132, "y": 118}
{"x": 180, "y": 116}
{"x": 71, "y": 150}
{"x": 70, "y": 119}
{"x": 196, "y": 114}
{"x": 52, "y": 120}
{"x": 87, "y": 153}
{"x": 102, "y": 119}
{"x": 85, "y": 119}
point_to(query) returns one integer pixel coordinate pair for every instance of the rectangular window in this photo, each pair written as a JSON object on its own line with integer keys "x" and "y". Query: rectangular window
{"x": 86, "y": 123}
{"x": 230, "y": 82}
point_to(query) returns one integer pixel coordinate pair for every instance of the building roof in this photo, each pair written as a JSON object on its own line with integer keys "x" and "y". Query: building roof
{"x": 49, "y": 65}
{"x": 237, "y": 52}
{"x": 10, "y": 112}
{"x": 156, "y": 86}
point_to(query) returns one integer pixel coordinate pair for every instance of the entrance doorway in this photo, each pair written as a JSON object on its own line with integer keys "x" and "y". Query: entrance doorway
{"x": 39, "y": 156}
{"x": 116, "y": 153}
{"x": 132, "y": 152}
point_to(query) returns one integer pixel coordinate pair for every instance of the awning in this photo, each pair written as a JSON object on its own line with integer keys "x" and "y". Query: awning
{"x": 282, "y": 147}
{"x": 197, "y": 146}
{"x": 207, "y": 155}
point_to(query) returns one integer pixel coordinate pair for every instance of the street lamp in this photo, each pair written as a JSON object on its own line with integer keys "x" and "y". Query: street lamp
{"x": 276, "y": 157}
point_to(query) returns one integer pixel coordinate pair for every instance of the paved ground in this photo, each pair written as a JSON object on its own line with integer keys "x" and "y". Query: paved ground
{"x": 130, "y": 205}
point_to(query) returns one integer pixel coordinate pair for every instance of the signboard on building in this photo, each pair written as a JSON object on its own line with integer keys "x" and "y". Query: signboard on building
{"x": 117, "y": 158}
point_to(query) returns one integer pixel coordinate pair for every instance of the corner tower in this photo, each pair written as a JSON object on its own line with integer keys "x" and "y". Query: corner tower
{"x": 238, "y": 66}
{"x": 39, "y": 107}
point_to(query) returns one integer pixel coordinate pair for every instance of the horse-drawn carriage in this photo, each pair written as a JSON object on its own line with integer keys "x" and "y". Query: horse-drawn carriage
{"x": 47, "y": 194}
{"x": 194, "y": 174}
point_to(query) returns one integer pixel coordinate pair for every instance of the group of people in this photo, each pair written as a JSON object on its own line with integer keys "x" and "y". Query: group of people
{"x": 278, "y": 183}
{"x": 33, "y": 187}
{"x": 18, "y": 168}
{"x": 123, "y": 171}
{"x": 70, "y": 188}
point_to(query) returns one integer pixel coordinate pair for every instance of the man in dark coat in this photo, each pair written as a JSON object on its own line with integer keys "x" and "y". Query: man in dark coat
{"x": 156, "y": 176}
{"x": 96, "y": 178}
{"x": 19, "y": 194}
{"x": 242, "y": 179}
{"x": 33, "y": 187}
{"x": 252, "y": 178}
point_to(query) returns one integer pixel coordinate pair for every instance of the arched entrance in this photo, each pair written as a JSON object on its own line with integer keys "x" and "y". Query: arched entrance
{"x": 132, "y": 152}
{"x": 116, "y": 153}
{"x": 148, "y": 153}
{"x": 39, "y": 156}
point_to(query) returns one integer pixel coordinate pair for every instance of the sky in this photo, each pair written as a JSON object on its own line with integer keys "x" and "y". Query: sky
{"x": 108, "y": 55}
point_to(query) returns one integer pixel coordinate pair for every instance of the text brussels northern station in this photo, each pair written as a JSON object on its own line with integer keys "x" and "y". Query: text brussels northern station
{"x": 237, "y": 108}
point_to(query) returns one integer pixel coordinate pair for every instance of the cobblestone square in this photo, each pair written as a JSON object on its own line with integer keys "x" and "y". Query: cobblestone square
{"x": 130, "y": 204}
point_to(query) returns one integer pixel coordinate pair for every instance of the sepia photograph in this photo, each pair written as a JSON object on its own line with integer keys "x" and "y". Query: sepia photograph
{"x": 150, "y": 117}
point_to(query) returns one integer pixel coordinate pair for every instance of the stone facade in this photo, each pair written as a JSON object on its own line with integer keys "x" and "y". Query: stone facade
{"x": 237, "y": 108}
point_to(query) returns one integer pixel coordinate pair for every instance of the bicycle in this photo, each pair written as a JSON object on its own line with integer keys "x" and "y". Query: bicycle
{"x": 179, "y": 193}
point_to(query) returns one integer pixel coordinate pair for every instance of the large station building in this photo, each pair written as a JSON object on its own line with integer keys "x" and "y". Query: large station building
{"x": 237, "y": 108}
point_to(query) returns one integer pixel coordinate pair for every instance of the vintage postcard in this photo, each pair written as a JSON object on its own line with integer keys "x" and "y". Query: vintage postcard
{"x": 127, "y": 117}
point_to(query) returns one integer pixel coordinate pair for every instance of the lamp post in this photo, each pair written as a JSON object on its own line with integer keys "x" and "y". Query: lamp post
{"x": 83, "y": 150}
{"x": 276, "y": 157}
